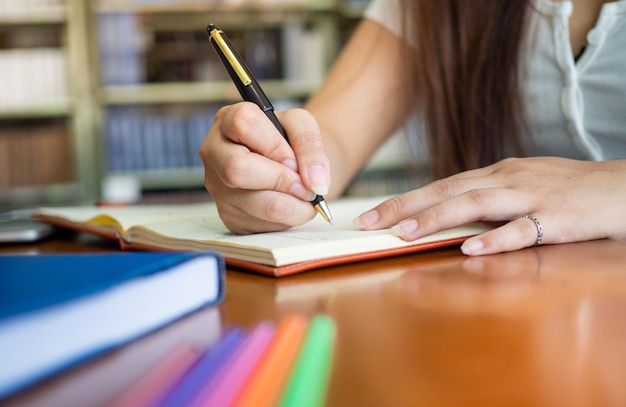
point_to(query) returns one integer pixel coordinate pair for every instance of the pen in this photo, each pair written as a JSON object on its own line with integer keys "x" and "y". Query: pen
{"x": 251, "y": 91}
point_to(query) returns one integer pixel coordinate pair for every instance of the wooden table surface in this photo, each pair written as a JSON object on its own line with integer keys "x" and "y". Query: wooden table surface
{"x": 545, "y": 326}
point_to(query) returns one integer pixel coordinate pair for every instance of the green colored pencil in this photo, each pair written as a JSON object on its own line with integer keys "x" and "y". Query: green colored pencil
{"x": 308, "y": 381}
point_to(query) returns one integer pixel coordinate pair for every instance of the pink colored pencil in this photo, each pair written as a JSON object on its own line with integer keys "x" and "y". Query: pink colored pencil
{"x": 158, "y": 378}
{"x": 225, "y": 389}
{"x": 267, "y": 382}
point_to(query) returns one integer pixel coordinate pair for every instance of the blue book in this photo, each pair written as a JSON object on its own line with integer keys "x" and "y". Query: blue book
{"x": 58, "y": 310}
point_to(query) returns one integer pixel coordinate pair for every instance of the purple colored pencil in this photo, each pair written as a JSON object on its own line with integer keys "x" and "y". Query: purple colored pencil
{"x": 203, "y": 372}
{"x": 230, "y": 381}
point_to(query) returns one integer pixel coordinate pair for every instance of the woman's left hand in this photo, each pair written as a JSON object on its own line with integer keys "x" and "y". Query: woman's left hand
{"x": 572, "y": 201}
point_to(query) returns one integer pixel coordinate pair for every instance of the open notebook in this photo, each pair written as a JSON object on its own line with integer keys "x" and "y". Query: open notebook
{"x": 198, "y": 227}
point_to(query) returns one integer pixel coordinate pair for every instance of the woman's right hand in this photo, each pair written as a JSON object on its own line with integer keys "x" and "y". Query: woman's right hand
{"x": 258, "y": 180}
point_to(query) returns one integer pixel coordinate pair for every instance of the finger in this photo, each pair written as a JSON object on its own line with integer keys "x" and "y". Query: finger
{"x": 401, "y": 207}
{"x": 514, "y": 235}
{"x": 237, "y": 168}
{"x": 490, "y": 204}
{"x": 245, "y": 124}
{"x": 306, "y": 141}
{"x": 258, "y": 211}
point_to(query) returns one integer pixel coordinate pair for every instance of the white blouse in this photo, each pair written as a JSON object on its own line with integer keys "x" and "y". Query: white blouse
{"x": 575, "y": 109}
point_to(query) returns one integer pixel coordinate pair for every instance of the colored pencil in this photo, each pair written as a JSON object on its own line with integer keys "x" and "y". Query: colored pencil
{"x": 230, "y": 381}
{"x": 308, "y": 381}
{"x": 158, "y": 378}
{"x": 205, "y": 370}
{"x": 267, "y": 382}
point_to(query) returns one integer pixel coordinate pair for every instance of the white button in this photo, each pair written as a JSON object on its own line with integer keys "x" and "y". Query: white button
{"x": 594, "y": 36}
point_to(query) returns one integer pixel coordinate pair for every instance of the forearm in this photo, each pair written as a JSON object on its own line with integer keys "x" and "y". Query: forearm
{"x": 353, "y": 125}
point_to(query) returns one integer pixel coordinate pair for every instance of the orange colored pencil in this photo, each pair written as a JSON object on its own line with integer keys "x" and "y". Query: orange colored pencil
{"x": 266, "y": 383}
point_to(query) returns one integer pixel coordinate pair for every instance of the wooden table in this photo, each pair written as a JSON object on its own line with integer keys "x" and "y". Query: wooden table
{"x": 544, "y": 326}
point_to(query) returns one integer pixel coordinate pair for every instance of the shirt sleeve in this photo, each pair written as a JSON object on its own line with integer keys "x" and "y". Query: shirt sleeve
{"x": 386, "y": 13}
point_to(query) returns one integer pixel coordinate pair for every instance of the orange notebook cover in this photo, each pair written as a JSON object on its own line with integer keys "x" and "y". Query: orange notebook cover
{"x": 195, "y": 227}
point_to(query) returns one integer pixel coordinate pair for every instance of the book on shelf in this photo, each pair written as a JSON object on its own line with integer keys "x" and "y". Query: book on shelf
{"x": 34, "y": 79}
{"x": 58, "y": 310}
{"x": 31, "y": 10}
{"x": 198, "y": 227}
{"x": 34, "y": 155}
{"x": 120, "y": 48}
{"x": 155, "y": 139}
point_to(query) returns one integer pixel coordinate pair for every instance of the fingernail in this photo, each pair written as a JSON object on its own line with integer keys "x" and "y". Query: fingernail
{"x": 291, "y": 164}
{"x": 367, "y": 219}
{"x": 405, "y": 227}
{"x": 299, "y": 191}
{"x": 472, "y": 246}
{"x": 319, "y": 179}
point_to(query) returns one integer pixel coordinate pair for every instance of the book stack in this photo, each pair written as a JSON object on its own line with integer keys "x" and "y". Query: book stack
{"x": 268, "y": 365}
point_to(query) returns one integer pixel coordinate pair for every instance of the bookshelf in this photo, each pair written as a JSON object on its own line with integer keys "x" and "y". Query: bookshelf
{"x": 175, "y": 83}
{"x": 138, "y": 85}
{"x": 44, "y": 116}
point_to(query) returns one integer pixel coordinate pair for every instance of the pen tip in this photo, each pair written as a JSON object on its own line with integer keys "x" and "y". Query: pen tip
{"x": 322, "y": 208}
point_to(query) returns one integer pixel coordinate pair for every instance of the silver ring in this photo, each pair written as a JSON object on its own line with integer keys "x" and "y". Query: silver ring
{"x": 539, "y": 228}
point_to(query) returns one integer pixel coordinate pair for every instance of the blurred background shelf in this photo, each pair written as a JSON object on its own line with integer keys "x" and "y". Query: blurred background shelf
{"x": 160, "y": 82}
{"x": 196, "y": 92}
{"x": 127, "y": 89}
{"x": 60, "y": 109}
{"x": 166, "y": 179}
{"x": 44, "y": 116}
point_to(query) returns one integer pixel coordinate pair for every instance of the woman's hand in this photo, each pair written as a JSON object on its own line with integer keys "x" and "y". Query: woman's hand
{"x": 258, "y": 180}
{"x": 573, "y": 201}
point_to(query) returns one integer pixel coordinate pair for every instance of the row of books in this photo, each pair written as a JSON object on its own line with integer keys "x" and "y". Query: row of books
{"x": 29, "y": 36}
{"x": 14, "y": 9}
{"x": 33, "y": 78}
{"x": 133, "y": 54}
{"x": 120, "y": 48}
{"x": 129, "y": 3}
{"x": 138, "y": 139}
{"x": 35, "y": 155}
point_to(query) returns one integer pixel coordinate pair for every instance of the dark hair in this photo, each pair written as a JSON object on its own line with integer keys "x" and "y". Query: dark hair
{"x": 467, "y": 74}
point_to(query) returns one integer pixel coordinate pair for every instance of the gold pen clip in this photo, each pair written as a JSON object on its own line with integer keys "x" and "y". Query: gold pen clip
{"x": 216, "y": 35}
